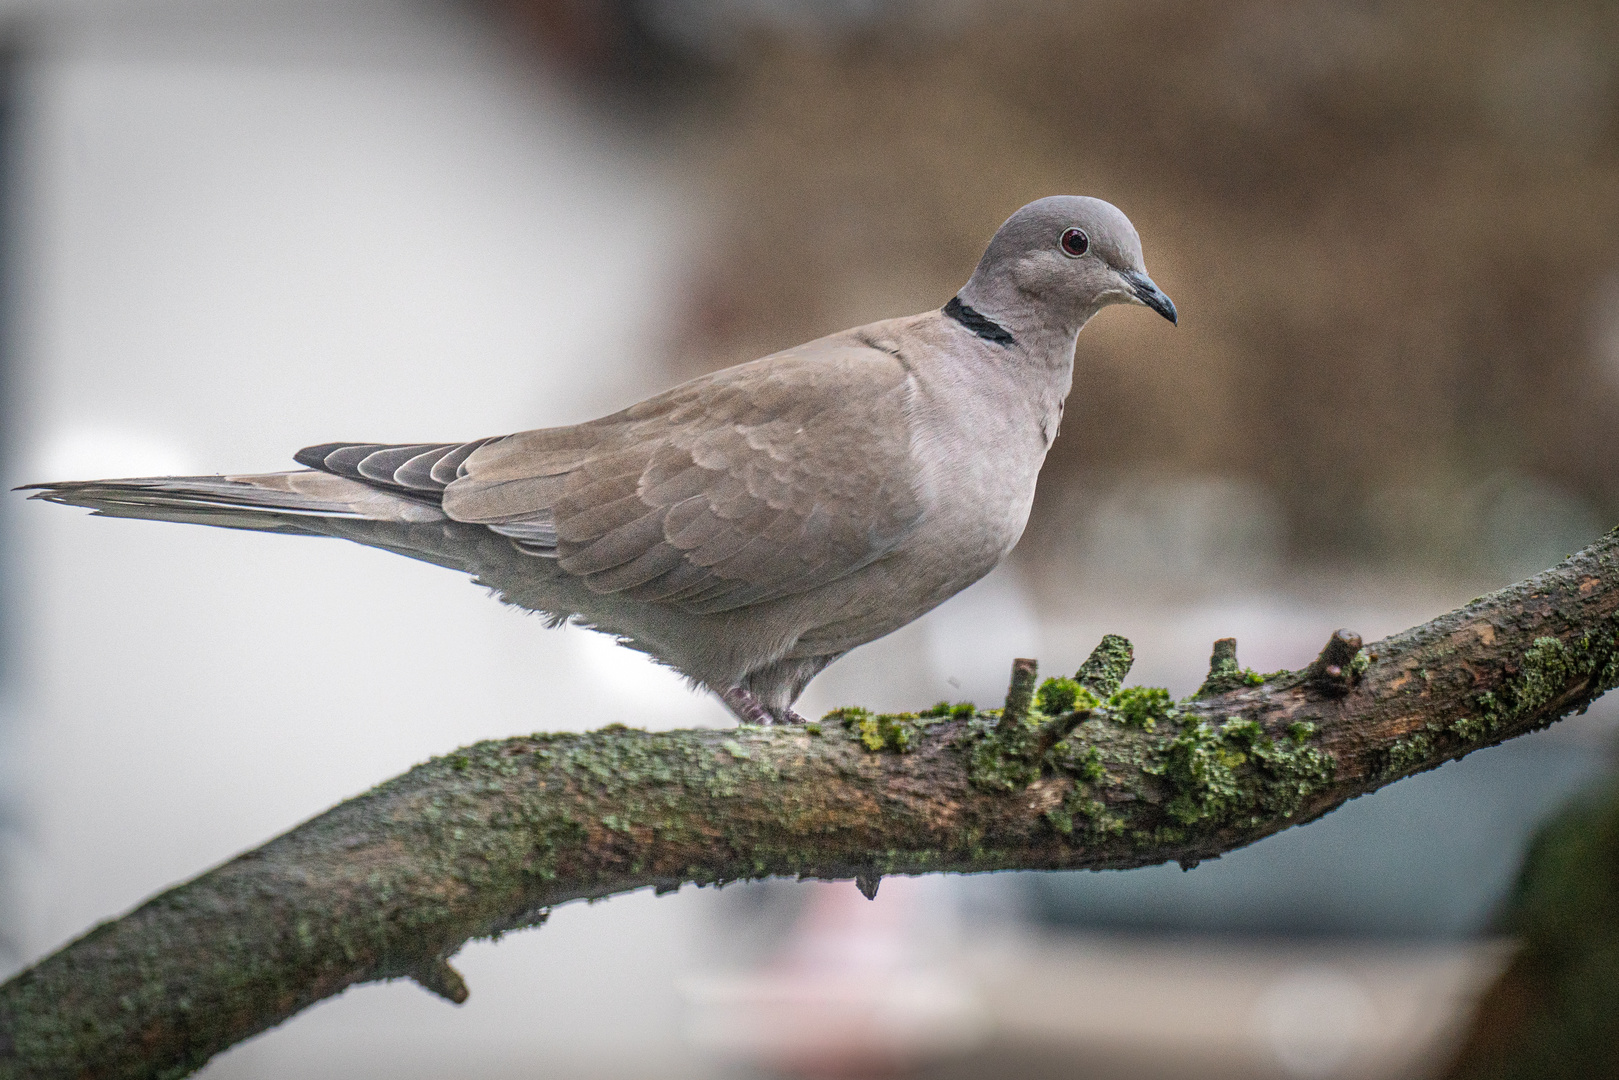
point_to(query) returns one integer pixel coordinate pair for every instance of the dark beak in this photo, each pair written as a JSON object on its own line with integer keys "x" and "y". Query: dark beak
{"x": 1151, "y": 295}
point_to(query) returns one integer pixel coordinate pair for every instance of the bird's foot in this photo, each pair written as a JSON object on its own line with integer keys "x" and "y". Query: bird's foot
{"x": 750, "y": 710}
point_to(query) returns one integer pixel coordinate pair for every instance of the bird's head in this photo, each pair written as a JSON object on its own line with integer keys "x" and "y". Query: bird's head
{"x": 1059, "y": 260}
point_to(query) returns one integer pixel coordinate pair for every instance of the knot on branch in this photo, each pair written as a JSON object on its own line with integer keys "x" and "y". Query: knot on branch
{"x": 1339, "y": 666}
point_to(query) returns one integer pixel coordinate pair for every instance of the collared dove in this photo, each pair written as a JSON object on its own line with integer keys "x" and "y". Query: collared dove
{"x": 748, "y": 527}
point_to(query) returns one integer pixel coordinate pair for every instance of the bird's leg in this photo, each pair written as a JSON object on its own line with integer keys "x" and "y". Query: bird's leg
{"x": 750, "y": 710}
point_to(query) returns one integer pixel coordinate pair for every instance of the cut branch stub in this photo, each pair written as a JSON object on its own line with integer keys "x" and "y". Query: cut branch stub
{"x": 1020, "y": 693}
{"x": 438, "y": 976}
{"x": 1104, "y": 670}
{"x": 1224, "y": 671}
{"x": 1334, "y": 671}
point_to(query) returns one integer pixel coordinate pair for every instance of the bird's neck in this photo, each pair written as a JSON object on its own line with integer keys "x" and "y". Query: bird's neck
{"x": 1008, "y": 317}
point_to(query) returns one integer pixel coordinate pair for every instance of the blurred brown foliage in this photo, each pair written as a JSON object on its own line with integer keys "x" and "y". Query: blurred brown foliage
{"x": 1392, "y": 230}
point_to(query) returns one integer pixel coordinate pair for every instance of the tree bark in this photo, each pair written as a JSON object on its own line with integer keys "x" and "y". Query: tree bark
{"x": 1072, "y": 773}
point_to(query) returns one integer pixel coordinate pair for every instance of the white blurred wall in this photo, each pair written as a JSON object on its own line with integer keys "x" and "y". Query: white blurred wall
{"x": 245, "y": 231}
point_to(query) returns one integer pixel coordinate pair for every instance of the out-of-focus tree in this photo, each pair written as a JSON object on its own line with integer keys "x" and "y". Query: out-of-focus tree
{"x": 1392, "y": 228}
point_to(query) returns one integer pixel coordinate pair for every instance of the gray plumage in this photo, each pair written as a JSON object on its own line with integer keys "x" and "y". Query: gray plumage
{"x": 750, "y": 526}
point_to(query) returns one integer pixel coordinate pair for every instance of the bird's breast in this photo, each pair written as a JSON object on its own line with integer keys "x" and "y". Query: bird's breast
{"x": 980, "y": 454}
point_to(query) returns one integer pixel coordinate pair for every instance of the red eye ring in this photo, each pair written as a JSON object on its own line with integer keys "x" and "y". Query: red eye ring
{"x": 1074, "y": 243}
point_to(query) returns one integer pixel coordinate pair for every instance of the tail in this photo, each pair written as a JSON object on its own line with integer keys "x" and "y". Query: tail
{"x": 308, "y": 502}
{"x": 299, "y": 502}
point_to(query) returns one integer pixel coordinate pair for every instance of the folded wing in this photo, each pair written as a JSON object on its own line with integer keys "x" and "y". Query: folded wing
{"x": 757, "y": 482}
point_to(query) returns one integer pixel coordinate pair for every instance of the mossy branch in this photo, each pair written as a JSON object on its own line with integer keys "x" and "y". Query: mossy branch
{"x": 1074, "y": 773}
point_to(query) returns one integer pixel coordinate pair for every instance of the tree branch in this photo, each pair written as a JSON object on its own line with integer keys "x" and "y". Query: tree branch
{"x": 1074, "y": 773}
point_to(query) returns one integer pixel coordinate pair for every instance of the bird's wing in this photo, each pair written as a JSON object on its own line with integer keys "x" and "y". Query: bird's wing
{"x": 756, "y": 482}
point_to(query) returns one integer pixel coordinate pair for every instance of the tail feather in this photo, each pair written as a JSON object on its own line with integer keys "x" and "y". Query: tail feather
{"x": 291, "y": 502}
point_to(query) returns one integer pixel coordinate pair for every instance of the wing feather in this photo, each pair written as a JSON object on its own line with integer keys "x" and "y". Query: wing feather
{"x": 602, "y": 519}
{"x": 447, "y": 468}
{"x": 651, "y": 564}
{"x": 613, "y": 548}
{"x": 416, "y": 472}
{"x": 380, "y": 465}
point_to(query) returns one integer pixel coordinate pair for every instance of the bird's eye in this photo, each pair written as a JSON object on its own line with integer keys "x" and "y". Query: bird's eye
{"x": 1075, "y": 243}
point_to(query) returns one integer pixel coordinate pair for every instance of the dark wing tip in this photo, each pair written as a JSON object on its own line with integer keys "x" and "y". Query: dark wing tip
{"x": 314, "y": 457}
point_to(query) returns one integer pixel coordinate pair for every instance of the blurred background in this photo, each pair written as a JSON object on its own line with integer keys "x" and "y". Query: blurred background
{"x": 231, "y": 229}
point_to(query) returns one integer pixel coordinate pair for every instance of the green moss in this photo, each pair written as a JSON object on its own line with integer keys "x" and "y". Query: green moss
{"x": 1083, "y": 813}
{"x": 1358, "y": 666}
{"x": 1058, "y": 696}
{"x": 1408, "y": 751}
{"x": 1548, "y": 667}
{"x": 1608, "y": 677}
{"x": 1090, "y": 767}
{"x": 896, "y": 732}
{"x": 1089, "y": 817}
{"x": 1138, "y": 769}
{"x": 1203, "y": 770}
{"x": 877, "y": 732}
{"x": 1234, "y": 774}
{"x": 1223, "y": 677}
{"x": 1548, "y": 671}
{"x": 1003, "y": 757}
{"x": 1473, "y": 728}
{"x": 1077, "y": 759}
{"x": 1142, "y": 706}
{"x": 1291, "y": 770}
{"x": 1224, "y": 672}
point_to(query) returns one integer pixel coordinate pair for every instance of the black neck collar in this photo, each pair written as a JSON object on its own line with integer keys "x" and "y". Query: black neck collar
{"x": 978, "y": 323}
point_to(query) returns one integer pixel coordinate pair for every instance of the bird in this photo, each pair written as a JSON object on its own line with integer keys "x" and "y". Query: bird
{"x": 750, "y": 526}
